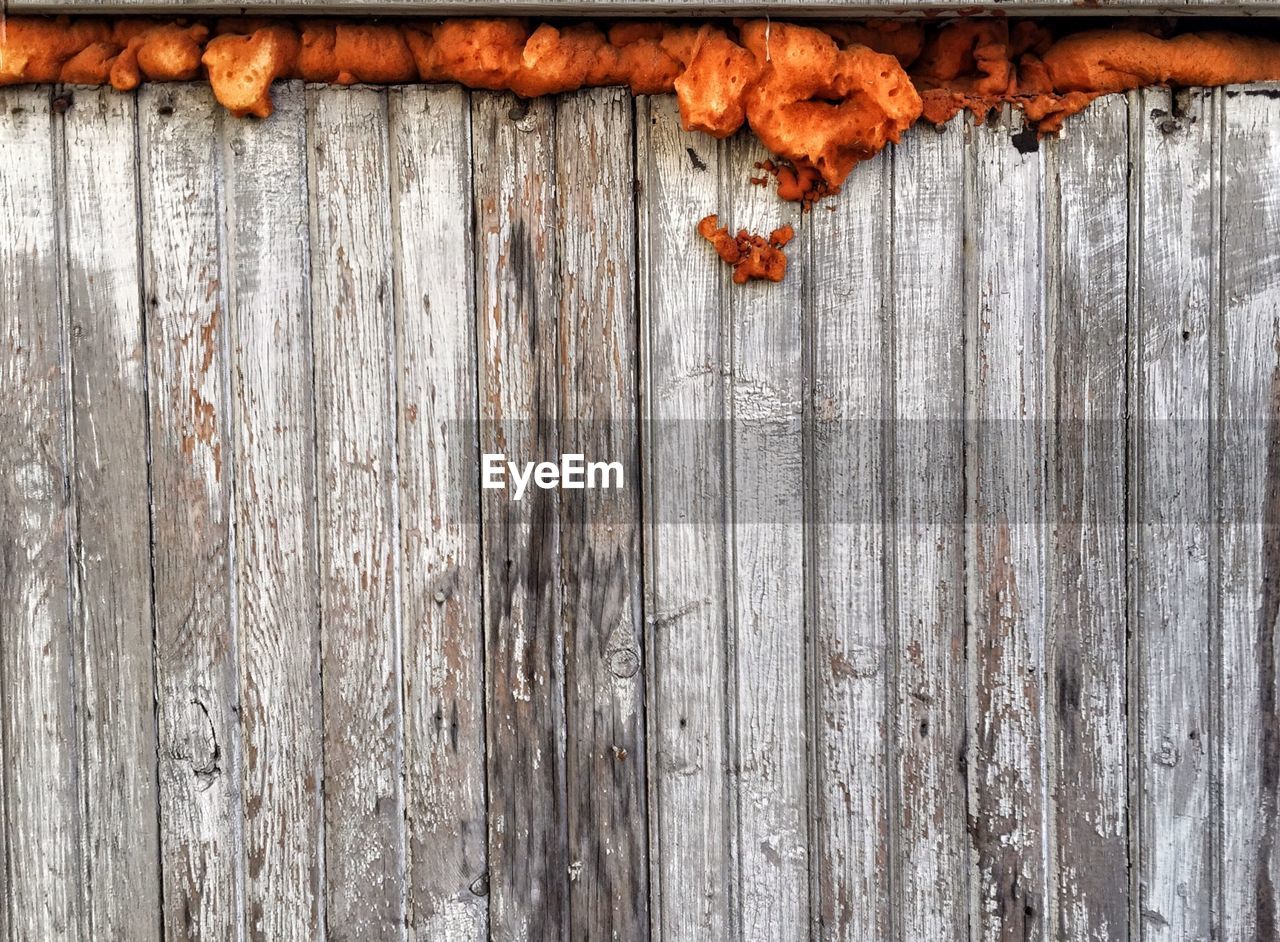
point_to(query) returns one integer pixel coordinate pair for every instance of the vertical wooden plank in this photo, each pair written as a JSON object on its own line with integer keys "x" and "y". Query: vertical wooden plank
{"x": 6, "y": 886}
{"x": 38, "y": 717}
{"x": 768, "y": 570}
{"x": 1088, "y": 604}
{"x": 111, "y": 548}
{"x": 1170, "y": 454}
{"x": 274, "y": 508}
{"x": 195, "y": 638}
{"x": 600, "y": 529}
{"x": 352, "y": 330}
{"x": 1249, "y": 492}
{"x": 513, "y": 149}
{"x": 848, "y": 306}
{"x": 684, "y": 366}
{"x": 439, "y": 508}
{"x": 926, "y": 494}
{"x": 1006, "y": 572}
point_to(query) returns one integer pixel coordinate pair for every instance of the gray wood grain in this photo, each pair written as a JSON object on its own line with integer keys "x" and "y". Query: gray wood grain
{"x": 43, "y": 852}
{"x": 275, "y": 499}
{"x": 195, "y": 633}
{"x": 111, "y": 544}
{"x": 926, "y": 499}
{"x": 767, "y": 551}
{"x": 1007, "y": 407}
{"x": 1171, "y": 362}
{"x": 439, "y": 509}
{"x": 265, "y": 646}
{"x": 600, "y": 530}
{"x": 1087, "y": 220}
{"x": 684, "y": 371}
{"x": 513, "y": 149}
{"x": 1248, "y": 447}
{"x": 352, "y": 329}
{"x": 847, "y": 323}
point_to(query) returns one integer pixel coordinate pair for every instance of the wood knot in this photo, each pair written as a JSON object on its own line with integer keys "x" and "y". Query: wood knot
{"x": 623, "y": 662}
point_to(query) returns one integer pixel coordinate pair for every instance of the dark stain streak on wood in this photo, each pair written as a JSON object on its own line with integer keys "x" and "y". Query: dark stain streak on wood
{"x": 1068, "y": 688}
{"x": 528, "y": 857}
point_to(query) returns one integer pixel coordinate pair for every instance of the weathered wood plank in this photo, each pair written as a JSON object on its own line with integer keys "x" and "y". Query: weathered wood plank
{"x": 1248, "y": 484}
{"x": 43, "y": 897}
{"x": 517, "y": 306}
{"x": 926, "y": 497}
{"x": 848, "y": 306}
{"x": 195, "y": 635}
{"x": 600, "y": 529}
{"x": 1006, "y": 574}
{"x": 111, "y": 545}
{"x": 274, "y": 507}
{"x": 352, "y": 329}
{"x": 767, "y": 641}
{"x": 1087, "y": 573}
{"x": 683, "y": 375}
{"x": 439, "y": 508}
{"x": 1170, "y": 359}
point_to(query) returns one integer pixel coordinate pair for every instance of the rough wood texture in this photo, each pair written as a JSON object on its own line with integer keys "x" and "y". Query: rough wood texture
{"x": 276, "y": 588}
{"x": 853, "y": 664}
{"x": 835, "y": 664}
{"x": 111, "y": 559}
{"x": 195, "y": 630}
{"x": 767, "y": 648}
{"x": 926, "y": 500}
{"x": 38, "y": 711}
{"x": 684, "y": 377}
{"x": 1087, "y": 564}
{"x": 600, "y": 530}
{"x": 1008, "y": 411}
{"x": 513, "y": 149}
{"x": 439, "y": 507}
{"x": 1248, "y": 570}
{"x": 352, "y": 327}
{"x": 1171, "y": 362}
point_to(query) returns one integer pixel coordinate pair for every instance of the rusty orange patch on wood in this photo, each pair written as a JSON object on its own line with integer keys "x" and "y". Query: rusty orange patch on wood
{"x": 752, "y": 256}
{"x": 820, "y": 96}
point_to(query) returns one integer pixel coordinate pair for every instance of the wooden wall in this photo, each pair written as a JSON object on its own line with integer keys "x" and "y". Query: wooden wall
{"x": 940, "y": 603}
